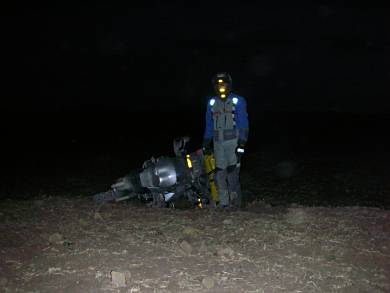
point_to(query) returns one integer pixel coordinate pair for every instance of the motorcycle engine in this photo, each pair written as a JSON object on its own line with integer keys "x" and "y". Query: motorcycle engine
{"x": 162, "y": 174}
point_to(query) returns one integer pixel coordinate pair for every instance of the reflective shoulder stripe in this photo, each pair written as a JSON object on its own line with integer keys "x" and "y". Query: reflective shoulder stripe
{"x": 235, "y": 101}
{"x": 212, "y": 102}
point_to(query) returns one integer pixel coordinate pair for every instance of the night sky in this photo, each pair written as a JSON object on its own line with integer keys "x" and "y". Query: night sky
{"x": 283, "y": 56}
{"x": 103, "y": 76}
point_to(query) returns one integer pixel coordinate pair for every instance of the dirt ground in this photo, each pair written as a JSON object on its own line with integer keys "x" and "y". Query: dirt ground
{"x": 63, "y": 244}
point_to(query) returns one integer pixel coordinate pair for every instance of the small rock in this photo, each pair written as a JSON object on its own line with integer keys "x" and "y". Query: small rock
{"x": 208, "y": 282}
{"x": 173, "y": 286}
{"x": 128, "y": 276}
{"x": 98, "y": 217}
{"x": 56, "y": 238}
{"x": 228, "y": 222}
{"x": 83, "y": 222}
{"x": 98, "y": 275}
{"x": 105, "y": 283}
{"x": 203, "y": 248}
{"x": 118, "y": 279}
{"x": 3, "y": 282}
{"x": 226, "y": 252}
{"x": 296, "y": 216}
{"x": 137, "y": 288}
{"x": 53, "y": 270}
{"x": 190, "y": 231}
{"x": 186, "y": 247}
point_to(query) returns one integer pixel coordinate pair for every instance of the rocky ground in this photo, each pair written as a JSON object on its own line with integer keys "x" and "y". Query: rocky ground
{"x": 63, "y": 244}
{"x": 316, "y": 219}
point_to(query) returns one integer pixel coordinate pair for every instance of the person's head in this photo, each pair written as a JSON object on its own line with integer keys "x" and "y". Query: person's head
{"x": 222, "y": 83}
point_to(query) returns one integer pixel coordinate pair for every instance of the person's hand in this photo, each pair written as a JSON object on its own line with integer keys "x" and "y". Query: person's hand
{"x": 207, "y": 147}
{"x": 240, "y": 149}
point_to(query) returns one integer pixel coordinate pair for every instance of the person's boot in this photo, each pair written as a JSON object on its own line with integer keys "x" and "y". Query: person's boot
{"x": 235, "y": 200}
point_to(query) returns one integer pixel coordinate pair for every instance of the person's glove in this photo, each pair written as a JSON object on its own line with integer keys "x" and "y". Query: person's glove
{"x": 240, "y": 149}
{"x": 207, "y": 147}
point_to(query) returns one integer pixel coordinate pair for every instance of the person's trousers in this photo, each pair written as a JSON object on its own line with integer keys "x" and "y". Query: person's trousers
{"x": 227, "y": 173}
{"x": 229, "y": 187}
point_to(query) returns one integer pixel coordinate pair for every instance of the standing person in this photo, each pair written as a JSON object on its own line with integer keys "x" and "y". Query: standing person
{"x": 226, "y": 133}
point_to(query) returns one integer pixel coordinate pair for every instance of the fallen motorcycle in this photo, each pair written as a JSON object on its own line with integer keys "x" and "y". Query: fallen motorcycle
{"x": 163, "y": 181}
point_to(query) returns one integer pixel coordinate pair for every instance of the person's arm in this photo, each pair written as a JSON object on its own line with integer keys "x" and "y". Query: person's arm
{"x": 242, "y": 120}
{"x": 208, "y": 133}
